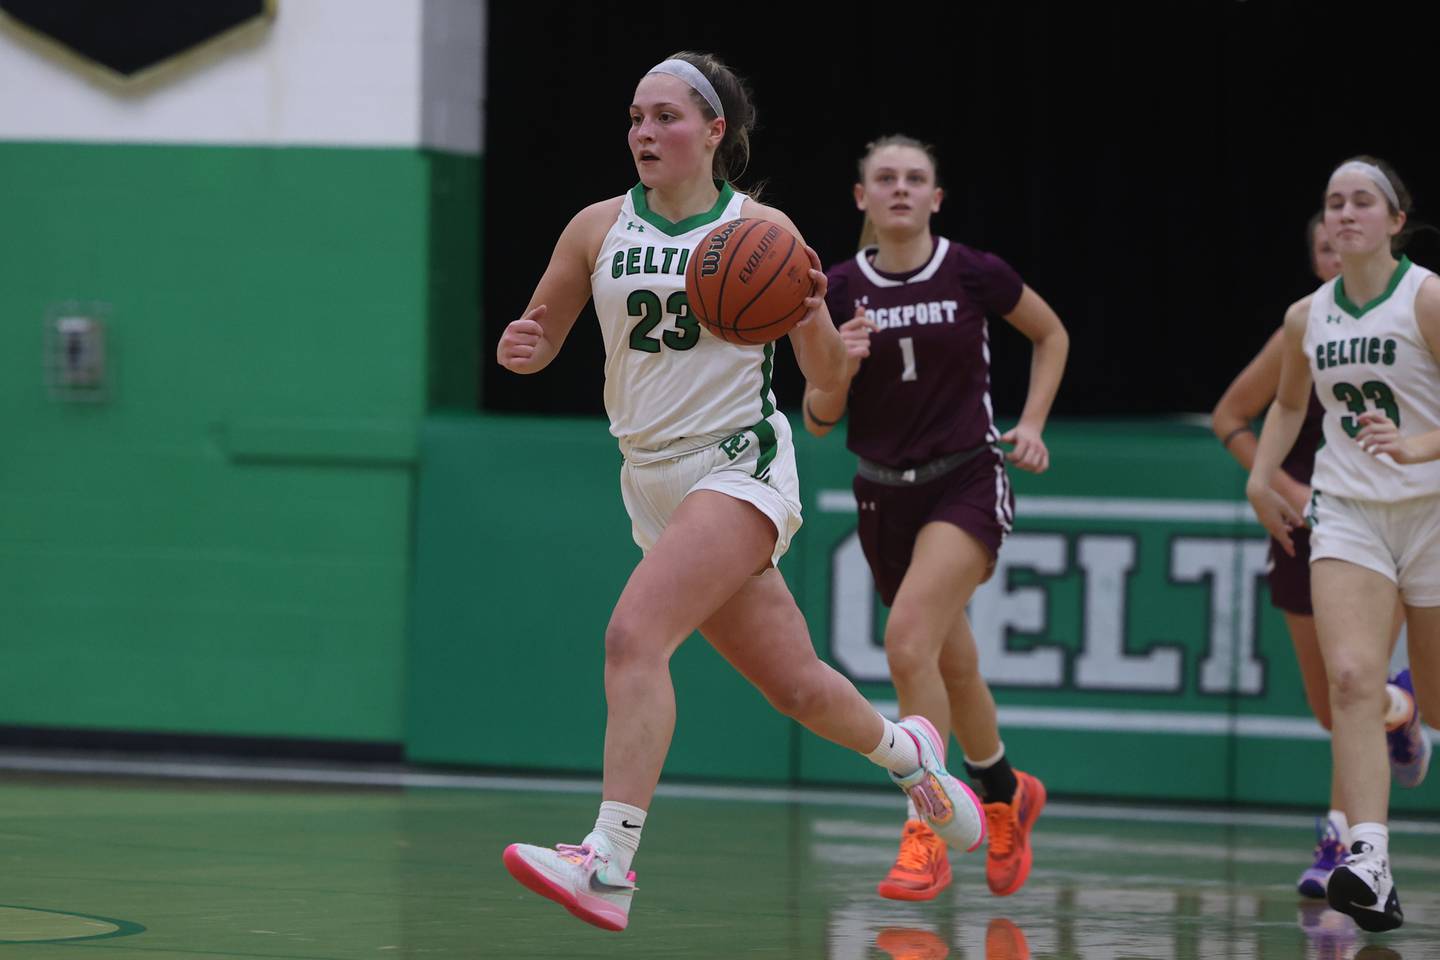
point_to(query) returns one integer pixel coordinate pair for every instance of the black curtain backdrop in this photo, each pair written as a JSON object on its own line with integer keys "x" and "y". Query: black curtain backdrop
{"x": 1148, "y": 170}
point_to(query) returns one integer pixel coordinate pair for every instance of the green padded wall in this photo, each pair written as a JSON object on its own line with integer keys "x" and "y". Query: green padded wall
{"x": 223, "y": 546}
{"x": 1128, "y": 635}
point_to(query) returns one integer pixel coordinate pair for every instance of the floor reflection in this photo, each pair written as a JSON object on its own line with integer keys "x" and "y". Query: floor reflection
{"x": 901, "y": 943}
{"x": 1004, "y": 940}
{"x": 1177, "y": 892}
{"x": 1068, "y": 923}
{"x": 1329, "y": 935}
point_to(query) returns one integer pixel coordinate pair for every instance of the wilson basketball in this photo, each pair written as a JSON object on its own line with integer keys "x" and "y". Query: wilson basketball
{"x": 747, "y": 281}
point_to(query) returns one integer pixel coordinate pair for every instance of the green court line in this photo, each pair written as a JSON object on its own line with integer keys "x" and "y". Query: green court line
{"x": 123, "y": 928}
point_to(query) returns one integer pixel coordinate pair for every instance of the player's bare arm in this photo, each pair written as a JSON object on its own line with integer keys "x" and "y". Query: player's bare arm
{"x": 1245, "y": 399}
{"x": 824, "y": 408}
{"x": 1282, "y": 426}
{"x": 531, "y": 342}
{"x": 1378, "y": 435}
{"x": 1050, "y": 344}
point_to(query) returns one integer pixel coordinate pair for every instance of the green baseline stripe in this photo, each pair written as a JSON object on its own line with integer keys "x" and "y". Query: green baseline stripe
{"x": 123, "y": 928}
{"x": 1344, "y": 302}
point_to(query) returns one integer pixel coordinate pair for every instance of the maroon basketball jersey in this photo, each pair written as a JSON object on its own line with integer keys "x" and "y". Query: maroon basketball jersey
{"x": 1300, "y": 462}
{"x": 924, "y": 391}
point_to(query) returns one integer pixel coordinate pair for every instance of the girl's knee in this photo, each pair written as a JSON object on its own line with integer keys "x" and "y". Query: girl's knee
{"x": 628, "y": 643}
{"x": 801, "y": 696}
{"x": 909, "y": 646}
{"x": 1352, "y": 685}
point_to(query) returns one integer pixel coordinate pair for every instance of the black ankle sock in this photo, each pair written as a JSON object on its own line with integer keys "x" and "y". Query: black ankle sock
{"x": 996, "y": 783}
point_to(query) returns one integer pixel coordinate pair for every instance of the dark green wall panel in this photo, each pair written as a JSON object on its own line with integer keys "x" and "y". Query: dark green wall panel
{"x": 523, "y": 545}
{"x": 222, "y": 546}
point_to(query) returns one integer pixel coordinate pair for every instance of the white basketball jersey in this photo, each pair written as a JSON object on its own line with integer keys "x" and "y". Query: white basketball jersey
{"x": 1372, "y": 358}
{"x": 666, "y": 379}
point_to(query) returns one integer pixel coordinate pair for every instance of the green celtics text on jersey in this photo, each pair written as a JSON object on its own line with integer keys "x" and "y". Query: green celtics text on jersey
{"x": 666, "y": 379}
{"x": 1372, "y": 357}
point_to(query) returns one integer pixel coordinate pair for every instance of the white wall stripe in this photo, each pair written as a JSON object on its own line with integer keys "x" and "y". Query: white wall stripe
{"x": 886, "y": 833}
{"x": 344, "y": 73}
{"x": 1094, "y": 508}
{"x": 1152, "y": 721}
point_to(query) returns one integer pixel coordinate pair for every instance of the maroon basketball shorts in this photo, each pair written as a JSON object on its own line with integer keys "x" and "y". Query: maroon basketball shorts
{"x": 1290, "y": 576}
{"x": 975, "y": 497}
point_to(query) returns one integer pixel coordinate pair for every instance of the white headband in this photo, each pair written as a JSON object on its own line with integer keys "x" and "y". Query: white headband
{"x": 1372, "y": 172}
{"x": 690, "y": 74}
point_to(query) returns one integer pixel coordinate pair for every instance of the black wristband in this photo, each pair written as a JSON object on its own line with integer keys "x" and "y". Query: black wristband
{"x": 1232, "y": 435}
{"x": 810, "y": 411}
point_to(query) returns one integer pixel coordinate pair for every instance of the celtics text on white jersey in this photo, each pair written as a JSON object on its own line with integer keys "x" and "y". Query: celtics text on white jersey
{"x": 1372, "y": 357}
{"x": 671, "y": 386}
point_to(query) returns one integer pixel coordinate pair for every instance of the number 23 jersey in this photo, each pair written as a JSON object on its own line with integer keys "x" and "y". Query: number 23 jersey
{"x": 666, "y": 379}
{"x": 1372, "y": 358}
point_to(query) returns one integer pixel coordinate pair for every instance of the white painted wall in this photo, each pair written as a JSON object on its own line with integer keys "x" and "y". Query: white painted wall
{"x": 323, "y": 73}
{"x": 453, "y": 75}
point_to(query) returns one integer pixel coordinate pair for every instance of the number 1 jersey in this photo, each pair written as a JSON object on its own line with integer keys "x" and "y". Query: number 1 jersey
{"x": 924, "y": 391}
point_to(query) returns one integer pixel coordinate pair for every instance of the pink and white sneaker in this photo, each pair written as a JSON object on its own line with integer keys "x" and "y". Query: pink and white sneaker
{"x": 947, "y": 805}
{"x": 577, "y": 878}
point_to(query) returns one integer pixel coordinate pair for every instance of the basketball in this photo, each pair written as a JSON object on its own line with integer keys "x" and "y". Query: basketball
{"x": 747, "y": 281}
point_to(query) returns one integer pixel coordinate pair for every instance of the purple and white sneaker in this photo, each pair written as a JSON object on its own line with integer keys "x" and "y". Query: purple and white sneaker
{"x": 1329, "y": 852}
{"x": 1409, "y": 744}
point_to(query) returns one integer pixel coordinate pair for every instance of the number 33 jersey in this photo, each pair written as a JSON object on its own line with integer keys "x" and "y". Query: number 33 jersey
{"x": 666, "y": 379}
{"x": 1372, "y": 357}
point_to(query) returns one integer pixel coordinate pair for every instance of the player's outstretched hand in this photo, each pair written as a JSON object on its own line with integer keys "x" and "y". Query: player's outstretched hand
{"x": 519, "y": 350}
{"x": 856, "y": 334}
{"x": 1030, "y": 452}
{"x": 820, "y": 284}
{"x": 1378, "y": 434}
{"x": 1275, "y": 514}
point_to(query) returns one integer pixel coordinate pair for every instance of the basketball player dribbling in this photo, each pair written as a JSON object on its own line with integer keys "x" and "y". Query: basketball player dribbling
{"x": 1369, "y": 341}
{"x": 1245, "y": 399}
{"x": 708, "y": 479}
{"x": 933, "y": 496}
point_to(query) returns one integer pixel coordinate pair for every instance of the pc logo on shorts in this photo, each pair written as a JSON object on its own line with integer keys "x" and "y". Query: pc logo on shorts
{"x": 733, "y": 446}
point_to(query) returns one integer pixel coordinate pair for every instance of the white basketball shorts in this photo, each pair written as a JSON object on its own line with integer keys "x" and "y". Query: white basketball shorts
{"x": 1400, "y": 541}
{"x": 756, "y": 465}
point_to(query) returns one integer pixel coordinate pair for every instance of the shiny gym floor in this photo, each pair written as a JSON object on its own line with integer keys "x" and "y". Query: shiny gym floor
{"x": 134, "y": 859}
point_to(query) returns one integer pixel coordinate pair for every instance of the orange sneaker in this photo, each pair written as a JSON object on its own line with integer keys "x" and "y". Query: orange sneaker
{"x": 1005, "y": 941}
{"x": 901, "y": 943}
{"x": 921, "y": 870}
{"x": 1008, "y": 862}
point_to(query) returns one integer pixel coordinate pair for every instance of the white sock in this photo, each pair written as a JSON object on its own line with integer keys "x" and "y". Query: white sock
{"x": 1399, "y": 708}
{"x": 1375, "y": 834}
{"x": 896, "y": 750}
{"x": 910, "y": 812}
{"x": 988, "y": 763}
{"x": 1337, "y": 817}
{"x": 619, "y": 824}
